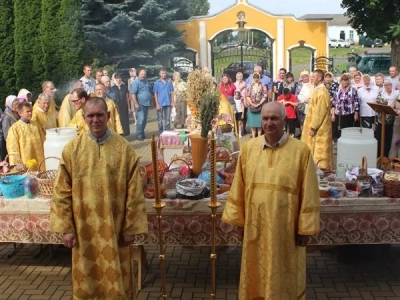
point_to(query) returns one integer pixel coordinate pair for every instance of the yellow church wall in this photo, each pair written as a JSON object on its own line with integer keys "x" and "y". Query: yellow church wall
{"x": 313, "y": 33}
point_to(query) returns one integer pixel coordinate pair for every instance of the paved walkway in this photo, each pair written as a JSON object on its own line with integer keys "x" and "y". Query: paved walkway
{"x": 364, "y": 273}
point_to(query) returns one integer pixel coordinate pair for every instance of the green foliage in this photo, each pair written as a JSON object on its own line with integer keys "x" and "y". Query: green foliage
{"x": 209, "y": 107}
{"x": 7, "y": 75}
{"x": 198, "y": 7}
{"x": 27, "y": 63}
{"x": 378, "y": 19}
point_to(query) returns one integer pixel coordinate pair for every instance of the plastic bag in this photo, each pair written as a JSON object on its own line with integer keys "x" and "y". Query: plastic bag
{"x": 173, "y": 114}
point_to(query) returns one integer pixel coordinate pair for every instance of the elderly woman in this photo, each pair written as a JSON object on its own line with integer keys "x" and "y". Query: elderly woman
{"x": 180, "y": 94}
{"x": 331, "y": 84}
{"x": 9, "y": 117}
{"x": 389, "y": 97}
{"x": 240, "y": 85}
{"x": 256, "y": 95}
{"x": 304, "y": 97}
{"x": 345, "y": 107}
{"x": 357, "y": 80}
{"x": 366, "y": 94}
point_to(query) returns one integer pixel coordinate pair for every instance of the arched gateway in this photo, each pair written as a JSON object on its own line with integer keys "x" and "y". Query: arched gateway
{"x": 243, "y": 35}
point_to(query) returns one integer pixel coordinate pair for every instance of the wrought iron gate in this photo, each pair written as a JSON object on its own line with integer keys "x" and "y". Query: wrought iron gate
{"x": 237, "y": 56}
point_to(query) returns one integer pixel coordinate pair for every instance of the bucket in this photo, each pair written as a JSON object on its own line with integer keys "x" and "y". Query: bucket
{"x": 56, "y": 139}
{"x": 12, "y": 186}
{"x": 355, "y": 143}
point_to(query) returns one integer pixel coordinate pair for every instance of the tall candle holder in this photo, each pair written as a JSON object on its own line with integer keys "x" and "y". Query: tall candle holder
{"x": 213, "y": 205}
{"x": 158, "y": 206}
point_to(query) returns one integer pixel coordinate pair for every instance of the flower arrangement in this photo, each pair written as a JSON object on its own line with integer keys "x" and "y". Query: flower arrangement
{"x": 203, "y": 101}
{"x": 31, "y": 163}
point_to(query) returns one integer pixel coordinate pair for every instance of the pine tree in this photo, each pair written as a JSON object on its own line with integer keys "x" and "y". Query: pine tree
{"x": 134, "y": 33}
{"x": 49, "y": 30}
{"x": 7, "y": 74}
{"x": 27, "y": 63}
{"x": 71, "y": 40}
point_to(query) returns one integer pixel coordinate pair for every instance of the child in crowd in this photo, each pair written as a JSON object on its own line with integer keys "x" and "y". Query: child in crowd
{"x": 289, "y": 100}
{"x": 239, "y": 111}
{"x": 25, "y": 138}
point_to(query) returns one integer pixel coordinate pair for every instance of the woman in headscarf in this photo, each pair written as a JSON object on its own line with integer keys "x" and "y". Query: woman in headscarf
{"x": 132, "y": 77}
{"x": 9, "y": 117}
{"x": 357, "y": 80}
{"x": 288, "y": 83}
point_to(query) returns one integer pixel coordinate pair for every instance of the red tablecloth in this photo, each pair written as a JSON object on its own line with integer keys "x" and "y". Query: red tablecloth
{"x": 188, "y": 222}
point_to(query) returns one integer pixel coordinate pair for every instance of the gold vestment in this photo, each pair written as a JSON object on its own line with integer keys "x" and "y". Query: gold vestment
{"x": 78, "y": 122}
{"x": 98, "y": 196}
{"x": 67, "y": 112}
{"x": 275, "y": 196}
{"x": 318, "y": 117}
{"x": 26, "y": 141}
{"x": 45, "y": 120}
{"x": 114, "y": 123}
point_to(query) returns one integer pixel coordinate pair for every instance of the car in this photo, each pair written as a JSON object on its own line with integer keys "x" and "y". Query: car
{"x": 225, "y": 46}
{"x": 374, "y": 63}
{"x": 350, "y": 41}
{"x": 368, "y": 42}
{"x": 335, "y": 43}
{"x": 266, "y": 44}
{"x": 247, "y": 68}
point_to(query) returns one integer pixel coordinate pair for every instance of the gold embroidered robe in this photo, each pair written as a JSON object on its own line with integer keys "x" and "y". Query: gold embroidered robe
{"x": 45, "y": 120}
{"x": 318, "y": 117}
{"x": 26, "y": 141}
{"x": 114, "y": 123}
{"x": 66, "y": 113}
{"x": 52, "y": 108}
{"x": 98, "y": 196}
{"x": 275, "y": 196}
{"x": 78, "y": 122}
{"x": 226, "y": 108}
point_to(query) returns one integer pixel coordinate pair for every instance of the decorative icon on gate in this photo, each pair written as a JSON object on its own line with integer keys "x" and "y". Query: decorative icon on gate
{"x": 241, "y": 15}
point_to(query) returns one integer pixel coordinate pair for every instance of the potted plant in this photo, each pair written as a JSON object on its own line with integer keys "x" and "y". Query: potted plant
{"x": 203, "y": 101}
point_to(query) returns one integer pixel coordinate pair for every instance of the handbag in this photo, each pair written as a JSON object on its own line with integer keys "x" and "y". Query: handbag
{"x": 301, "y": 107}
{"x": 255, "y": 110}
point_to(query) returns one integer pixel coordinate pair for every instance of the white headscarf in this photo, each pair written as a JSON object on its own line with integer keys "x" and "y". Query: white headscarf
{"x": 9, "y": 101}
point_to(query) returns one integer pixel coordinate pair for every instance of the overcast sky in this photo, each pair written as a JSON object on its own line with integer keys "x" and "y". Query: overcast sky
{"x": 295, "y": 7}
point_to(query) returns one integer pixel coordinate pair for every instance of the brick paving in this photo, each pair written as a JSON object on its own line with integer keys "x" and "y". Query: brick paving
{"x": 364, "y": 273}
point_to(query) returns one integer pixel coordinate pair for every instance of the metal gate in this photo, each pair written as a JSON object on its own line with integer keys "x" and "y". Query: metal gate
{"x": 184, "y": 62}
{"x": 238, "y": 56}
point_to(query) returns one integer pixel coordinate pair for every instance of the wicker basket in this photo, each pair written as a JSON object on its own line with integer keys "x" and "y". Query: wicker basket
{"x": 162, "y": 168}
{"x": 45, "y": 180}
{"x": 225, "y": 128}
{"x": 229, "y": 171}
{"x": 13, "y": 170}
{"x": 391, "y": 187}
{"x": 222, "y": 153}
{"x": 181, "y": 176}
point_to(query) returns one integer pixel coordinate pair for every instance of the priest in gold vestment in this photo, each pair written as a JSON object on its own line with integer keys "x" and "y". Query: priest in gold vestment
{"x": 275, "y": 197}
{"x": 98, "y": 204}
{"x": 114, "y": 123}
{"x": 49, "y": 89}
{"x": 42, "y": 115}
{"x": 78, "y": 99}
{"x": 25, "y": 138}
{"x": 67, "y": 110}
{"x": 317, "y": 129}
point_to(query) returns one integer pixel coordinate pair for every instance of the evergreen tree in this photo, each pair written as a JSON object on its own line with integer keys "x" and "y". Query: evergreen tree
{"x": 135, "y": 33}
{"x": 7, "y": 74}
{"x": 198, "y": 7}
{"x": 49, "y": 30}
{"x": 27, "y": 63}
{"x": 71, "y": 40}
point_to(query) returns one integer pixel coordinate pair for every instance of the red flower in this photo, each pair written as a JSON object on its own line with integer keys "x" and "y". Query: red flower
{"x": 382, "y": 224}
{"x": 45, "y": 224}
{"x": 332, "y": 226}
{"x": 18, "y": 224}
{"x": 226, "y": 228}
{"x": 395, "y": 225}
{"x": 3, "y": 226}
{"x": 194, "y": 226}
{"x": 364, "y": 225}
{"x": 31, "y": 226}
{"x": 177, "y": 228}
{"x": 350, "y": 224}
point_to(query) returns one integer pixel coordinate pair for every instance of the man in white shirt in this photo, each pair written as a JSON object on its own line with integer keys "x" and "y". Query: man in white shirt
{"x": 394, "y": 77}
{"x": 87, "y": 80}
{"x": 367, "y": 93}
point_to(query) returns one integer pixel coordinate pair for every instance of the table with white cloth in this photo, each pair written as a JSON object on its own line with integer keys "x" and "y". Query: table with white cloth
{"x": 188, "y": 222}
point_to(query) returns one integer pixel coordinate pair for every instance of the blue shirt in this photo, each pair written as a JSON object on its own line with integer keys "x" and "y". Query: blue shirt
{"x": 142, "y": 90}
{"x": 264, "y": 79}
{"x": 163, "y": 91}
